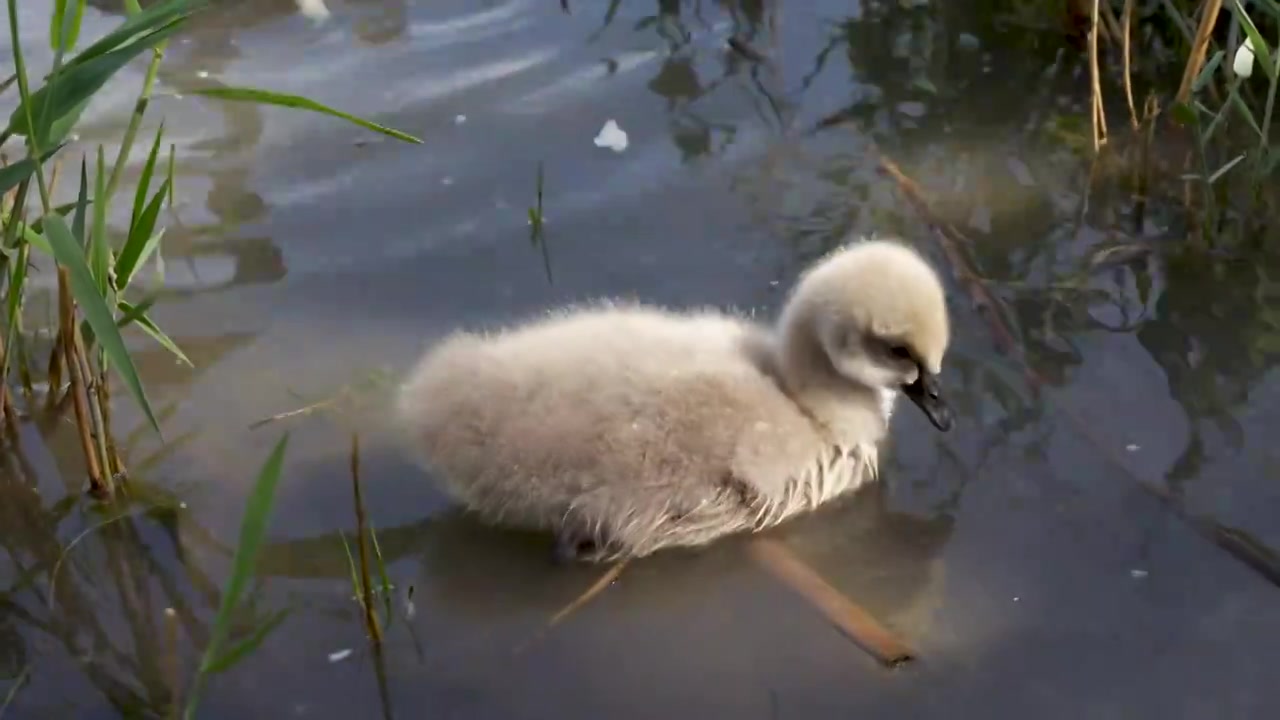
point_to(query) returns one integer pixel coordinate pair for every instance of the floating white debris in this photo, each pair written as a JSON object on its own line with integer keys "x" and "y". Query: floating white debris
{"x": 340, "y": 655}
{"x": 1138, "y": 574}
{"x": 314, "y": 9}
{"x": 611, "y": 136}
{"x": 1131, "y": 447}
{"x": 1242, "y": 65}
{"x": 459, "y": 119}
{"x": 202, "y": 74}
{"x": 446, "y": 181}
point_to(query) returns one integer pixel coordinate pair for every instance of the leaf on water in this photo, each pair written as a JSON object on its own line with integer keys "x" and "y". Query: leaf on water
{"x": 97, "y": 314}
{"x": 253, "y": 530}
{"x": 241, "y": 650}
{"x": 268, "y": 97}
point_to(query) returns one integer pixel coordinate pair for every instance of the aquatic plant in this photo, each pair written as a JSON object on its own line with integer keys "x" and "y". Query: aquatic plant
{"x": 95, "y": 272}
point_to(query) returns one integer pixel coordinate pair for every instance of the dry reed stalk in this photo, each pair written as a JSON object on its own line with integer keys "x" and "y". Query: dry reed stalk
{"x": 92, "y": 392}
{"x": 1099, "y": 115}
{"x": 1127, "y": 47}
{"x": 362, "y": 547}
{"x": 850, "y": 618}
{"x": 104, "y": 407}
{"x": 98, "y": 483}
{"x": 1195, "y": 61}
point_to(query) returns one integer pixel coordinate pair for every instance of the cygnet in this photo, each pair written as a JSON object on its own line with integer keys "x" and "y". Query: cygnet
{"x": 626, "y": 428}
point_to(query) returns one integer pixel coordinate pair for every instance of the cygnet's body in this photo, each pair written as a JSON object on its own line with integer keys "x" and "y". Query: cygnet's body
{"x": 624, "y": 428}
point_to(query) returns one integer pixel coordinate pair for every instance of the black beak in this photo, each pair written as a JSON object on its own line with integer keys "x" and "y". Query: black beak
{"x": 926, "y": 392}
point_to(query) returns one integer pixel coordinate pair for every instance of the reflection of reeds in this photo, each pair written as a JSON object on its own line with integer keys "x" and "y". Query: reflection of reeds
{"x": 1237, "y": 543}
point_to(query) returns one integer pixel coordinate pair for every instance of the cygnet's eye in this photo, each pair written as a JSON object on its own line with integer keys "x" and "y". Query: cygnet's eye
{"x": 900, "y": 352}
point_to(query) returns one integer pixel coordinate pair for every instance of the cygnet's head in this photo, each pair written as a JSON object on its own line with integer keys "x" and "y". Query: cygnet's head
{"x": 875, "y": 313}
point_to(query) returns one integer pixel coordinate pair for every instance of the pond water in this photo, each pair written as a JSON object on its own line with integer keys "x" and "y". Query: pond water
{"x": 1019, "y": 554}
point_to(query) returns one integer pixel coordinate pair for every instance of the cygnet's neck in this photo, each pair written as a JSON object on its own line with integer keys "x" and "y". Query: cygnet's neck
{"x": 853, "y": 413}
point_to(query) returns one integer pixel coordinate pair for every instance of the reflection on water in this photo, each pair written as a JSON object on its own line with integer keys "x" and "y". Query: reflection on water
{"x": 1022, "y": 564}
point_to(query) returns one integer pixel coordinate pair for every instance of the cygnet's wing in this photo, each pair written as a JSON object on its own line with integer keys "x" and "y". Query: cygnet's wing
{"x": 617, "y": 413}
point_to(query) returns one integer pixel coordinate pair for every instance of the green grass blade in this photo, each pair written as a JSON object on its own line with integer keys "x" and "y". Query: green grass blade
{"x": 351, "y": 563}
{"x": 241, "y": 650}
{"x": 99, "y": 248}
{"x": 172, "y": 149}
{"x": 253, "y": 530}
{"x": 141, "y": 241}
{"x": 133, "y": 312}
{"x": 35, "y": 239}
{"x": 56, "y": 23}
{"x": 82, "y": 200}
{"x": 155, "y": 332}
{"x": 382, "y": 573}
{"x": 1206, "y": 73}
{"x": 17, "y": 279}
{"x": 144, "y": 180}
{"x": 268, "y": 97}
{"x": 148, "y": 20}
{"x": 55, "y": 113}
{"x": 96, "y": 313}
{"x": 64, "y": 26}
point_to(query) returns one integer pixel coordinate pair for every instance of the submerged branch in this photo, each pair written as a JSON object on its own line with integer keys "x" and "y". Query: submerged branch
{"x": 855, "y": 622}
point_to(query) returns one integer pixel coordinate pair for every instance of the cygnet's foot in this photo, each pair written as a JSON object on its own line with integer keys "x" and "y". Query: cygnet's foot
{"x": 575, "y": 546}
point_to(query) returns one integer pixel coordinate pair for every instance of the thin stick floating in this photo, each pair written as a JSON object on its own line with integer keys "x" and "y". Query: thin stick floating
{"x": 845, "y": 614}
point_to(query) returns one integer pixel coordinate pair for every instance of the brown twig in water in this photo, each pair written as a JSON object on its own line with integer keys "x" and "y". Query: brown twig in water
{"x": 362, "y": 547}
{"x": 1127, "y": 42}
{"x": 855, "y": 622}
{"x": 1195, "y": 61}
{"x": 604, "y": 581}
{"x": 342, "y": 394}
{"x": 596, "y": 588}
